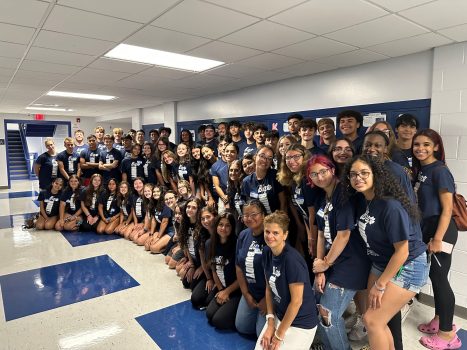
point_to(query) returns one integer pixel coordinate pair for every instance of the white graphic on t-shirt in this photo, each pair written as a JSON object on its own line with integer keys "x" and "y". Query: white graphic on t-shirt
{"x": 133, "y": 170}
{"x": 365, "y": 220}
{"x": 191, "y": 242}
{"x": 71, "y": 164}
{"x": 109, "y": 158}
{"x": 139, "y": 207}
{"x": 72, "y": 202}
{"x": 420, "y": 178}
{"x": 109, "y": 204}
{"x": 238, "y": 202}
{"x": 272, "y": 283}
{"x": 327, "y": 230}
{"x": 182, "y": 171}
{"x": 92, "y": 157}
{"x": 263, "y": 196}
{"x": 220, "y": 269}
{"x": 145, "y": 169}
{"x": 94, "y": 200}
{"x": 253, "y": 249}
{"x": 50, "y": 203}
{"x": 125, "y": 211}
{"x": 54, "y": 168}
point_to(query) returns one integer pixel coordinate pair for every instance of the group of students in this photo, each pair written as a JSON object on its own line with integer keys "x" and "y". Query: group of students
{"x": 275, "y": 236}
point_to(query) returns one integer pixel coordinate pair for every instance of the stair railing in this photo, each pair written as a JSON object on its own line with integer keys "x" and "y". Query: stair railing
{"x": 29, "y": 157}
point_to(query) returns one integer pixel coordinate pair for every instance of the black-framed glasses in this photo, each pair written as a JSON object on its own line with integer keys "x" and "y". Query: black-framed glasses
{"x": 264, "y": 157}
{"x": 322, "y": 172}
{"x": 342, "y": 150}
{"x": 364, "y": 174}
{"x": 295, "y": 157}
{"x": 249, "y": 216}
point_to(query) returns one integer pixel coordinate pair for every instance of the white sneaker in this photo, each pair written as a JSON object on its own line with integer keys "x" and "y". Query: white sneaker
{"x": 358, "y": 331}
{"x": 406, "y": 310}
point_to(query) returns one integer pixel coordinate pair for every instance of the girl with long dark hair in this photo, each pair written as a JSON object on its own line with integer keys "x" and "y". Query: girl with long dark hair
{"x": 90, "y": 203}
{"x": 109, "y": 210}
{"x": 70, "y": 206}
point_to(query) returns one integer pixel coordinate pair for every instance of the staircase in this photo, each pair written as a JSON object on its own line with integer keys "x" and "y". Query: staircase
{"x": 17, "y": 163}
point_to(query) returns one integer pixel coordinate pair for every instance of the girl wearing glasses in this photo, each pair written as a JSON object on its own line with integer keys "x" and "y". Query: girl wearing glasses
{"x": 262, "y": 184}
{"x": 250, "y": 275}
{"x": 341, "y": 267}
{"x": 291, "y": 317}
{"x": 388, "y": 223}
{"x": 435, "y": 187}
{"x": 340, "y": 151}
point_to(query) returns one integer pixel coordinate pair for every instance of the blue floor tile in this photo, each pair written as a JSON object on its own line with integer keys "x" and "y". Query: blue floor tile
{"x": 18, "y": 194}
{"x": 77, "y": 239}
{"x": 462, "y": 334}
{"x": 36, "y": 202}
{"x": 9, "y": 221}
{"x": 33, "y": 291}
{"x": 181, "y": 327}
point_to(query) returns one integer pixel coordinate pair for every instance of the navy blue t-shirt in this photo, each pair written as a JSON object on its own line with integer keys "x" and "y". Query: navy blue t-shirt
{"x": 133, "y": 168}
{"x": 149, "y": 170}
{"x": 400, "y": 158}
{"x": 119, "y": 147}
{"x": 401, "y": 176}
{"x": 248, "y": 258}
{"x": 223, "y": 263}
{"x": 221, "y": 170}
{"x": 165, "y": 213}
{"x": 304, "y": 197}
{"x": 108, "y": 157}
{"x": 236, "y": 199}
{"x": 51, "y": 202}
{"x": 79, "y": 149}
{"x": 430, "y": 180}
{"x": 384, "y": 222}
{"x": 72, "y": 201}
{"x": 48, "y": 170}
{"x": 126, "y": 153}
{"x": 266, "y": 190}
{"x": 138, "y": 205}
{"x": 70, "y": 162}
{"x": 287, "y": 268}
{"x": 183, "y": 171}
{"x": 90, "y": 156}
{"x": 94, "y": 202}
{"x": 351, "y": 268}
{"x": 125, "y": 207}
{"x": 109, "y": 204}
{"x": 245, "y": 148}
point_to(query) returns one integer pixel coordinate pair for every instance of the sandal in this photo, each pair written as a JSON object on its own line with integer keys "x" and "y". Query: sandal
{"x": 434, "y": 342}
{"x": 432, "y": 327}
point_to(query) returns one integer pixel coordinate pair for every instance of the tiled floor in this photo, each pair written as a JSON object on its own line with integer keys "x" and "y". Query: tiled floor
{"x": 114, "y": 317}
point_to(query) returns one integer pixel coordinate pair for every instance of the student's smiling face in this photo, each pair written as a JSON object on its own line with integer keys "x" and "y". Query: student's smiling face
{"x": 361, "y": 177}
{"x": 424, "y": 149}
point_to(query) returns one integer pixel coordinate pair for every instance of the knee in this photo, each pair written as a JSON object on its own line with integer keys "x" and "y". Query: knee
{"x": 172, "y": 264}
{"x": 325, "y": 315}
{"x": 371, "y": 321}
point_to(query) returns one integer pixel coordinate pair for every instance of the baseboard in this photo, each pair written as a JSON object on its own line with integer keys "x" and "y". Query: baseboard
{"x": 429, "y": 300}
{"x": 3, "y": 187}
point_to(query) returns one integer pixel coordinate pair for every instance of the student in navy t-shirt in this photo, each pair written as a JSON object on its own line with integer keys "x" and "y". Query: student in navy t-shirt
{"x": 162, "y": 229}
{"x": 133, "y": 167}
{"x": 262, "y": 184}
{"x": 141, "y": 209}
{"x": 110, "y": 160}
{"x": 90, "y": 203}
{"x": 46, "y": 166}
{"x": 68, "y": 160}
{"x": 49, "y": 206}
{"x": 149, "y": 167}
{"x": 109, "y": 210}
{"x": 220, "y": 251}
{"x": 89, "y": 160}
{"x": 220, "y": 174}
{"x": 291, "y": 318}
{"x": 234, "y": 192}
{"x": 250, "y": 275}
{"x": 126, "y": 224}
{"x": 341, "y": 259}
{"x": 70, "y": 206}
{"x": 435, "y": 188}
{"x": 388, "y": 223}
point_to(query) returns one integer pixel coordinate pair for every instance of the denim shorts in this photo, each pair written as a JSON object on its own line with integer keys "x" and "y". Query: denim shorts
{"x": 412, "y": 276}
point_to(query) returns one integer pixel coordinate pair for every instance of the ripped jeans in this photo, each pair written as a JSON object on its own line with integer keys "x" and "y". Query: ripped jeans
{"x": 331, "y": 331}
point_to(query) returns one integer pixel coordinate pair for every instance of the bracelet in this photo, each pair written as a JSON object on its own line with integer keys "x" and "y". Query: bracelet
{"x": 88, "y": 215}
{"x": 277, "y": 337}
{"x": 268, "y": 316}
{"x": 381, "y": 290}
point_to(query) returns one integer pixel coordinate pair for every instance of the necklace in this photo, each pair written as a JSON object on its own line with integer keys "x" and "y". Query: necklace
{"x": 367, "y": 211}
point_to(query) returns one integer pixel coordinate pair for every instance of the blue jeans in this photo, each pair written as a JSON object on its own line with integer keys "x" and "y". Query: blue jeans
{"x": 248, "y": 320}
{"x": 335, "y": 300}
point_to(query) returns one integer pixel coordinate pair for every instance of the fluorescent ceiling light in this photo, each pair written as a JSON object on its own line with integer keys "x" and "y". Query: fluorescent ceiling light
{"x": 45, "y": 105}
{"x": 80, "y": 95}
{"x": 161, "y": 58}
{"x": 50, "y": 109}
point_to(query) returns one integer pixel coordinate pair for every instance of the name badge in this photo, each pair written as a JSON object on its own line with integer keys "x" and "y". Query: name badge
{"x": 320, "y": 213}
{"x": 253, "y": 195}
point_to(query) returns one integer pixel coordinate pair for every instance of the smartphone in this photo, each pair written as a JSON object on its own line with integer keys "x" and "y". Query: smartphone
{"x": 446, "y": 247}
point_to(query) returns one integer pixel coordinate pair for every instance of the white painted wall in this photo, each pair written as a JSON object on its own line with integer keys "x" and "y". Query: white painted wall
{"x": 397, "y": 79}
{"x": 449, "y": 116}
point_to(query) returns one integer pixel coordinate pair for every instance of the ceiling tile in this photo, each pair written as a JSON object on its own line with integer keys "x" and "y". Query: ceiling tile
{"x": 267, "y": 36}
{"x": 324, "y": 16}
{"x": 258, "y": 8}
{"x": 352, "y": 58}
{"x": 217, "y": 50}
{"x": 305, "y": 68}
{"x": 61, "y": 57}
{"x": 26, "y": 76}
{"x": 236, "y": 71}
{"x": 410, "y": 45}
{"x": 458, "y": 33}
{"x": 89, "y": 75}
{"x": 142, "y": 81}
{"x": 265, "y": 77}
{"x": 166, "y": 40}
{"x": 72, "y": 43}
{"x": 11, "y": 50}
{"x": 377, "y": 31}
{"x": 136, "y": 10}
{"x": 167, "y": 73}
{"x": 118, "y": 66}
{"x": 15, "y": 34}
{"x": 87, "y": 24}
{"x": 6, "y": 72}
{"x": 439, "y": 14}
{"x": 39, "y": 66}
{"x": 10, "y": 63}
{"x": 22, "y": 12}
{"x": 399, "y": 5}
{"x": 315, "y": 48}
{"x": 201, "y": 81}
{"x": 269, "y": 61}
{"x": 203, "y": 19}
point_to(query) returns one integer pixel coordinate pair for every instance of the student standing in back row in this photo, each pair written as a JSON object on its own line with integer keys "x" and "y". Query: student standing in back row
{"x": 46, "y": 166}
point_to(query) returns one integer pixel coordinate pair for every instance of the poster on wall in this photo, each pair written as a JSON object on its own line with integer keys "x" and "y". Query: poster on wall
{"x": 371, "y": 118}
